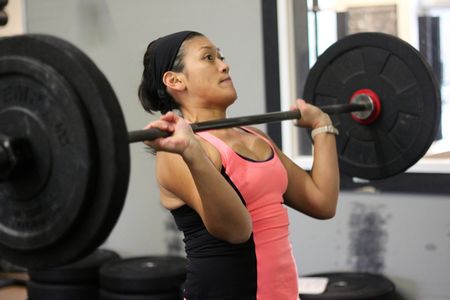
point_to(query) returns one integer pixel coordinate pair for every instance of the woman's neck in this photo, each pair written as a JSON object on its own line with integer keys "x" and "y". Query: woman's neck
{"x": 202, "y": 114}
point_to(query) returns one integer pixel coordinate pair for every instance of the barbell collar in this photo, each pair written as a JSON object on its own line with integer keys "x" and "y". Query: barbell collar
{"x": 154, "y": 133}
{"x": 369, "y": 97}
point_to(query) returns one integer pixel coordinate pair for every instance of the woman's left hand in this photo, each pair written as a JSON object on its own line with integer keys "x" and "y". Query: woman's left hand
{"x": 311, "y": 116}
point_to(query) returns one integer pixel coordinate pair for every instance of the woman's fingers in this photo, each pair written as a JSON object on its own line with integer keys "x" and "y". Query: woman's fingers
{"x": 161, "y": 124}
{"x": 181, "y": 133}
{"x": 299, "y": 105}
{"x": 311, "y": 116}
{"x": 169, "y": 116}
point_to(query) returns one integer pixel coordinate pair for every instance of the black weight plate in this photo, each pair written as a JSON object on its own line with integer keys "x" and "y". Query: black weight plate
{"x": 409, "y": 96}
{"x": 106, "y": 295}
{"x": 353, "y": 286}
{"x": 37, "y": 205}
{"x": 108, "y": 142}
{"x": 40, "y": 291}
{"x": 82, "y": 271}
{"x": 144, "y": 274}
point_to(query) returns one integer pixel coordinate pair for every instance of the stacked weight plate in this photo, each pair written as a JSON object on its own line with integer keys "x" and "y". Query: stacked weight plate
{"x": 78, "y": 280}
{"x": 70, "y": 154}
{"x": 143, "y": 278}
{"x": 354, "y": 286}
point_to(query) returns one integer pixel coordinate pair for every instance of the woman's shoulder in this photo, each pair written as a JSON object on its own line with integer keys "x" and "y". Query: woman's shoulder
{"x": 173, "y": 163}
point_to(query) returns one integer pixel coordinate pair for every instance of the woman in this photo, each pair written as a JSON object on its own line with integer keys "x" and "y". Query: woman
{"x": 227, "y": 188}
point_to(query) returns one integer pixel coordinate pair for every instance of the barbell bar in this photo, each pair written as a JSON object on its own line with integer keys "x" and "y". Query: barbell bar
{"x": 154, "y": 133}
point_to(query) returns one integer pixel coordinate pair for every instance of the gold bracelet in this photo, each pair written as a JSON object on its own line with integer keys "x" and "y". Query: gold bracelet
{"x": 324, "y": 129}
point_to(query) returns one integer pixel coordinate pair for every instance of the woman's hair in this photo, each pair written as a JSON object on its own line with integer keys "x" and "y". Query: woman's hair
{"x": 151, "y": 96}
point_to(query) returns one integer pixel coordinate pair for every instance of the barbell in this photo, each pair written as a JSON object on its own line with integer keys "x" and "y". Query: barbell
{"x": 64, "y": 145}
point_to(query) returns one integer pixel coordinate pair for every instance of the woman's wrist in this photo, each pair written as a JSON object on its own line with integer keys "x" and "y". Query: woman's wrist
{"x": 324, "y": 120}
{"x": 324, "y": 129}
{"x": 192, "y": 151}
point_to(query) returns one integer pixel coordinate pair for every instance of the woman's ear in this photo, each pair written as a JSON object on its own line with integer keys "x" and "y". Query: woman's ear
{"x": 173, "y": 81}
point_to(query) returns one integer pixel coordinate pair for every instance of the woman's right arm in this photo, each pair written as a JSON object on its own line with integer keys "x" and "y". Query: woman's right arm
{"x": 185, "y": 170}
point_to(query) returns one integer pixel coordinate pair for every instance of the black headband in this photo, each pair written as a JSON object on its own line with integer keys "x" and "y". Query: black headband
{"x": 165, "y": 52}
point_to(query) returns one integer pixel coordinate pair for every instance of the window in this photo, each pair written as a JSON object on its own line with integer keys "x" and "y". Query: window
{"x": 437, "y": 159}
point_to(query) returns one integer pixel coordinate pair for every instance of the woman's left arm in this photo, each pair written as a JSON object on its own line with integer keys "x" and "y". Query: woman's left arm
{"x": 314, "y": 193}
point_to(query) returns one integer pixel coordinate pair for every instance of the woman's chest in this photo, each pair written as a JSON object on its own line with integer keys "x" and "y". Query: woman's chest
{"x": 249, "y": 146}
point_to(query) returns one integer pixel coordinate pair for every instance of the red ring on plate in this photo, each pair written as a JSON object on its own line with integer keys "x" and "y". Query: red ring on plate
{"x": 376, "y": 103}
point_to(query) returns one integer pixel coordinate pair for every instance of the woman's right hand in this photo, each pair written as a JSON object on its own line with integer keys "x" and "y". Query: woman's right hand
{"x": 181, "y": 138}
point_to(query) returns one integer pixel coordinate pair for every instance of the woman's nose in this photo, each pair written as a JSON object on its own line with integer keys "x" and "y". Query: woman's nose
{"x": 223, "y": 66}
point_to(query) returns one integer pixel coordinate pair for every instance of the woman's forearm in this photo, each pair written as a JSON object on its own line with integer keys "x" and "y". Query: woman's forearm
{"x": 223, "y": 212}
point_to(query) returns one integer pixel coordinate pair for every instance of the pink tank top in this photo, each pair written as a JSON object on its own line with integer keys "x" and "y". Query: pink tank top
{"x": 262, "y": 185}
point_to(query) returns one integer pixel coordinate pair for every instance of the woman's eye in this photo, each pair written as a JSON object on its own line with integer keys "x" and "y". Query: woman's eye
{"x": 212, "y": 57}
{"x": 220, "y": 55}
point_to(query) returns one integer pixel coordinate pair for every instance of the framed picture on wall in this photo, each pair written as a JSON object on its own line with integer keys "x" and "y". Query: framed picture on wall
{"x": 382, "y": 18}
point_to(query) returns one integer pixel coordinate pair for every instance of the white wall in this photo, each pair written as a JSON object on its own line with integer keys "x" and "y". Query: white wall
{"x": 405, "y": 237}
{"x": 435, "y": 3}
{"x": 115, "y": 34}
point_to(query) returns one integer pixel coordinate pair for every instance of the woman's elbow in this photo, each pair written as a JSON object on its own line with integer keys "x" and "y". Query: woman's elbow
{"x": 327, "y": 214}
{"x": 239, "y": 238}
{"x": 328, "y": 210}
{"x": 324, "y": 208}
{"x": 236, "y": 235}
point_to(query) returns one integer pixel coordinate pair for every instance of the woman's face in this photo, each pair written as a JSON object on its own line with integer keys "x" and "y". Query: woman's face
{"x": 206, "y": 75}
